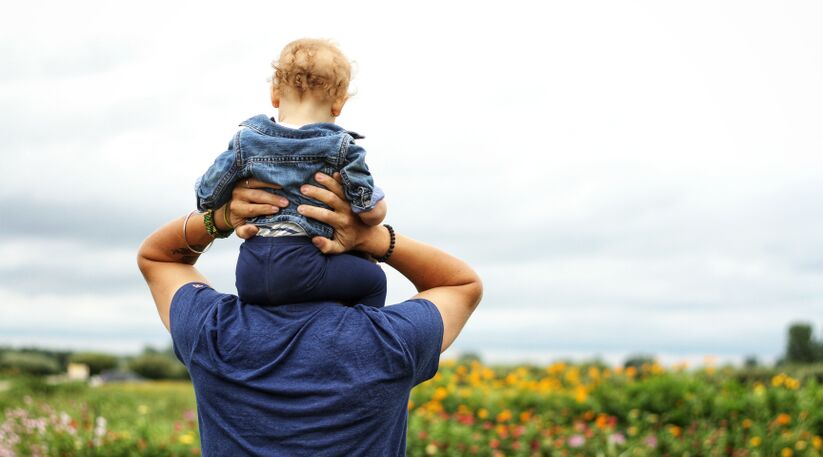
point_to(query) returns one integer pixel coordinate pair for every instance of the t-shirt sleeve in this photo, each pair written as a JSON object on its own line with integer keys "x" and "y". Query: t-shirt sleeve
{"x": 418, "y": 323}
{"x": 189, "y": 307}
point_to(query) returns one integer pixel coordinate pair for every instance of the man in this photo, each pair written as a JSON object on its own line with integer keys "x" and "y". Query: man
{"x": 314, "y": 379}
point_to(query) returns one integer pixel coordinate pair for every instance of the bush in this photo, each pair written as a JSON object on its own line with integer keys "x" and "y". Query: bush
{"x": 156, "y": 366}
{"x": 97, "y": 362}
{"x": 28, "y": 363}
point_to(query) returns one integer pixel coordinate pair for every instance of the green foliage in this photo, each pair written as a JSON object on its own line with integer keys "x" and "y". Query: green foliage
{"x": 96, "y": 361}
{"x": 158, "y": 366}
{"x": 28, "y": 363}
{"x": 801, "y": 347}
{"x": 638, "y": 360}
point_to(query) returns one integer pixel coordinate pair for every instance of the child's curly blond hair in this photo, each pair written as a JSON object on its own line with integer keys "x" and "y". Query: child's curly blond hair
{"x": 312, "y": 66}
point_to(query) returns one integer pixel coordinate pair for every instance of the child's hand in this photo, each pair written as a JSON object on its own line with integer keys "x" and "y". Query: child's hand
{"x": 376, "y": 215}
{"x": 248, "y": 200}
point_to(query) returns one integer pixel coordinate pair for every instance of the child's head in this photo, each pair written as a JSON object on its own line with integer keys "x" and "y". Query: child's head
{"x": 311, "y": 71}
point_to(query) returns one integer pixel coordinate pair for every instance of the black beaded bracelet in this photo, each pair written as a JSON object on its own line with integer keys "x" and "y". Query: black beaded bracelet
{"x": 392, "y": 240}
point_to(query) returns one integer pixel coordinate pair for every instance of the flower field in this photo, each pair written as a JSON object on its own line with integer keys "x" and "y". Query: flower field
{"x": 467, "y": 409}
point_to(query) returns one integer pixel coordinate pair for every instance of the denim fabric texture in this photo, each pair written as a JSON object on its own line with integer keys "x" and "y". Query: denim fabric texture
{"x": 282, "y": 270}
{"x": 289, "y": 157}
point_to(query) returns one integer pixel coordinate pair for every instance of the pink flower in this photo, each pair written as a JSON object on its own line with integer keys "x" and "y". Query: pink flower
{"x": 576, "y": 441}
{"x": 617, "y": 438}
{"x": 650, "y": 441}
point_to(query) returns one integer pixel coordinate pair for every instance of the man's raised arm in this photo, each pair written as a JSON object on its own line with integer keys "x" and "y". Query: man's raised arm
{"x": 448, "y": 282}
{"x": 166, "y": 258}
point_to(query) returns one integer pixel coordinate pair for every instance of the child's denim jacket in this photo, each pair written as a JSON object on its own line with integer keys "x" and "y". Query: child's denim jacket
{"x": 290, "y": 157}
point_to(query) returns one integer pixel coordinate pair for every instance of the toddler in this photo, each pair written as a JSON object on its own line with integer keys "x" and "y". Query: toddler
{"x": 280, "y": 265}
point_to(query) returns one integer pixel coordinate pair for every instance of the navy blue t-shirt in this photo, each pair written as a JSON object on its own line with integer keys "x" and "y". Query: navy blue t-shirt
{"x": 309, "y": 379}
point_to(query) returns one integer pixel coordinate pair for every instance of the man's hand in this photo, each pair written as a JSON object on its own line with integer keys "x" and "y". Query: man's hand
{"x": 349, "y": 231}
{"x": 248, "y": 199}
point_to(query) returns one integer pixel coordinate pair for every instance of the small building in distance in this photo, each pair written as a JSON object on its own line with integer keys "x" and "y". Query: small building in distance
{"x": 78, "y": 372}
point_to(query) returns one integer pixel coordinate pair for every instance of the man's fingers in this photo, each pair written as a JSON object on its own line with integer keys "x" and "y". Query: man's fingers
{"x": 325, "y": 196}
{"x": 246, "y": 231}
{"x": 321, "y": 214}
{"x": 253, "y": 183}
{"x": 327, "y": 246}
{"x": 247, "y": 210}
{"x": 333, "y": 184}
{"x": 258, "y": 196}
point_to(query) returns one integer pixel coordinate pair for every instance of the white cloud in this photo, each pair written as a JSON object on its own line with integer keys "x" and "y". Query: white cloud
{"x": 600, "y": 158}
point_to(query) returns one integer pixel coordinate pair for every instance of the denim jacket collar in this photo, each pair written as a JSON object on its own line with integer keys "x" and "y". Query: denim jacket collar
{"x": 267, "y": 126}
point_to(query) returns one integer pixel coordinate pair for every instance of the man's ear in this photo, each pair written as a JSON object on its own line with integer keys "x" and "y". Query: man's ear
{"x": 337, "y": 106}
{"x": 275, "y": 97}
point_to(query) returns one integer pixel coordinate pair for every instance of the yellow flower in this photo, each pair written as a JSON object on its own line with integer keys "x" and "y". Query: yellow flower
{"x": 817, "y": 442}
{"x": 187, "y": 438}
{"x": 504, "y": 416}
{"x": 800, "y": 445}
{"x": 440, "y": 393}
{"x": 482, "y": 413}
{"x": 580, "y": 394}
{"x": 755, "y": 441}
{"x": 786, "y": 452}
{"x": 747, "y": 423}
{"x": 674, "y": 430}
{"x": 431, "y": 449}
{"x": 143, "y": 409}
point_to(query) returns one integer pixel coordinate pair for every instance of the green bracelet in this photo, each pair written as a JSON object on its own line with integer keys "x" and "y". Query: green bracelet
{"x": 211, "y": 228}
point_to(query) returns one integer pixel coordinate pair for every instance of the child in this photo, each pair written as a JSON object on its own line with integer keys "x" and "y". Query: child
{"x": 280, "y": 265}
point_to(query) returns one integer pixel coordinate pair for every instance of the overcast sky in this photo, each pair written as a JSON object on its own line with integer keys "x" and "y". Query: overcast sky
{"x": 625, "y": 176}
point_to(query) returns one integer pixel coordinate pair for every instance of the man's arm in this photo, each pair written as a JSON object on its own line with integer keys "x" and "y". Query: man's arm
{"x": 448, "y": 282}
{"x": 165, "y": 259}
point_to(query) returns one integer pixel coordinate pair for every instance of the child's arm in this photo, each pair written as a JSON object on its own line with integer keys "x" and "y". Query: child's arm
{"x": 359, "y": 187}
{"x": 376, "y": 215}
{"x": 214, "y": 188}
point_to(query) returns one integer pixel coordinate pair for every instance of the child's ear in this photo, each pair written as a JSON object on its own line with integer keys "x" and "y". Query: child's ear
{"x": 337, "y": 106}
{"x": 275, "y": 97}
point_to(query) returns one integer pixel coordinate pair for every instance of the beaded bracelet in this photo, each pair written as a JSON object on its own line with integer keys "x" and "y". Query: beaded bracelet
{"x": 211, "y": 228}
{"x": 392, "y": 240}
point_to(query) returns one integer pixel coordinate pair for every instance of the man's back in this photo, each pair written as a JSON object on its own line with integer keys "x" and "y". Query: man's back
{"x": 306, "y": 379}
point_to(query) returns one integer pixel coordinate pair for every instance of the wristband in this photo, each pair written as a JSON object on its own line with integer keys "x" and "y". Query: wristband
{"x": 211, "y": 228}
{"x": 392, "y": 241}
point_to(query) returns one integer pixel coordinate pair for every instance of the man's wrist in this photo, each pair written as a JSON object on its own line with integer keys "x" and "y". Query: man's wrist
{"x": 376, "y": 241}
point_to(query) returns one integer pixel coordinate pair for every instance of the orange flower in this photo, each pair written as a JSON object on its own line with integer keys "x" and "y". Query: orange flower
{"x": 504, "y": 416}
{"x": 783, "y": 419}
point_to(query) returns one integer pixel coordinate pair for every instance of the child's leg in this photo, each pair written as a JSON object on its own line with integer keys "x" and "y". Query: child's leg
{"x": 353, "y": 279}
{"x": 274, "y": 271}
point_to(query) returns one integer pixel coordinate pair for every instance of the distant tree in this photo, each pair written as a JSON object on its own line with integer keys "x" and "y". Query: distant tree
{"x": 97, "y": 362}
{"x": 157, "y": 366}
{"x": 801, "y": 348}
{"x": 28, "y": 363}
{"x": 469, "y": 357}
{"x": 638, "y": 360}
{"x": 751, "y": 361}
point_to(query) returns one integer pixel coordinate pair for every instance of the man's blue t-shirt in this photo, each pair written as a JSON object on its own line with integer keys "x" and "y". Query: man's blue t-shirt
{"x": 309, "y": 379}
